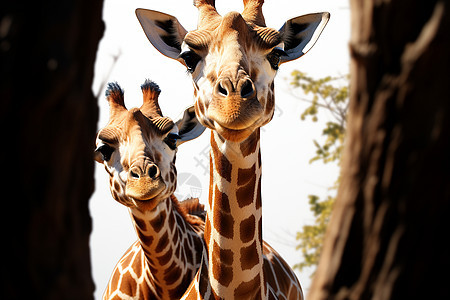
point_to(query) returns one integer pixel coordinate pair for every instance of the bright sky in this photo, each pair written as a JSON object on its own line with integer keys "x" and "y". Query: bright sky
{"x": 126, "y": 56}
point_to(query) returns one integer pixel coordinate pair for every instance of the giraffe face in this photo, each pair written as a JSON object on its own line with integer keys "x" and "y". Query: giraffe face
{"x": 233, "y": 66}
{"x": 232, "y": 60}
{"x": 138, "y": 148}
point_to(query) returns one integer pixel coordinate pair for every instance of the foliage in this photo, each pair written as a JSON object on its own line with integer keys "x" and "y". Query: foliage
{"x": 331, "y": 95}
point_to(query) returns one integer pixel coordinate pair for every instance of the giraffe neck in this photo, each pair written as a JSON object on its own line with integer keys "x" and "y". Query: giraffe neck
{"x": 170, "y": 245}
{"x": 233, "y": 230}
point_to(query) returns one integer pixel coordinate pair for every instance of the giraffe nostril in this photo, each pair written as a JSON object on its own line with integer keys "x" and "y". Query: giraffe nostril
{"x": 153, "y": 171}
{"x": 247, "y": 89}
{"x": 134, "y": 175}
{"x": 222, "y": 90}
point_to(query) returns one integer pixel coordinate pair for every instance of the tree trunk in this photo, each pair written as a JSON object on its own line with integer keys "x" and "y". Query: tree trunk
{"x": 388, "y": 236}
{"x": 48, "y": 121}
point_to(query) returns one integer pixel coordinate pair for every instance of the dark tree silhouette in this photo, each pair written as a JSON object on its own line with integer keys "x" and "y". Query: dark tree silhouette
{"x": 387, "y": 238}
{"x": 48, "y": 120}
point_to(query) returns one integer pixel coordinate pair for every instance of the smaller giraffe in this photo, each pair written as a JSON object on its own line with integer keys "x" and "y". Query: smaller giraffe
{"x": 138, "y": 148}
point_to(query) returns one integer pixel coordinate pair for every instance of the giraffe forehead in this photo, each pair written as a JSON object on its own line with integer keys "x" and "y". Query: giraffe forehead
{"x": 233, "y": 27}
{"x": 134, "y": 123}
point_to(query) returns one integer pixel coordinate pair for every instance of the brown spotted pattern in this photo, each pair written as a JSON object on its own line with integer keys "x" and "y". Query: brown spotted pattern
{"x": 163, "y": 262}
{"x": 141, "y": 166}
{"x": 239, "y": 265}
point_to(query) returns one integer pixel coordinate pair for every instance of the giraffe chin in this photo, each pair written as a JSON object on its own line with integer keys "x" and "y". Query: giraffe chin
{"x": 146, "y": 198}
{"x": 148, "y": 204}
{"x": 234, "y": 135}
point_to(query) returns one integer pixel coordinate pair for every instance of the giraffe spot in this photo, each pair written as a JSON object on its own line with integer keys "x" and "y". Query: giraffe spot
{"x": 225, "y": 256}
{"x": 203, "y": 280}
{"x": 115, "y": 195}
{"x": 222, "y": 270}
{"x": 270, "y": 103}
{"x": 158, "y": 222}
{"x": 114, "y": 279}
{"x": 207, "y": 233}
{"x": 248, "y": 146}
{"x": 211, "y": 181}
{"x": 269, "y": 276}
{"x": 200, "y": 108}
{"x": 158, "y": 157}
{"x": 247, "y": 229}
{"x": 171, "y": 221}
{"x": 249, "y": 256}
{"x": 127, "y": 259}
{"x": 158, "y": 288}
{"x": 272, "y": 296}
{"x": 175, "y": 237}
{"x": 221, "y": 162}
{"x": 198, "y": 248}
{"x": 165, "y": 258}
{"x": 171, "y": 274}
{"x": 263, "y": 101}
{"x": 151, "y": 263}
{"x": 282, "y": 278}
{"x": 140, "y": 223}
{"x": 177, "y": 251}
{"x": 221, "y": 200}
{"x": 248, "y": 289}
{"x": 260, "y": 230}
{"x": 259, "y": 158}
{"x": 172, "y": 177}
{"x": 258, "y": 194}
{"x": 245, "y": 193}
{"x": 145, "y": 290}
{"x": 223, "y": 223}
{"x": 186, "y": 248}
{"x": 179, "y": 290}
{"x": 138, "y": 264}
{"x": 180, "y": 223}
{"x": 116, "y": 297}
{"x": 128, "y": 285}
{"x": 244, "y": 175}
{"x": 254, "y": 73}
{"x": 117, "y": 186}
{"x": 162, "y": 243}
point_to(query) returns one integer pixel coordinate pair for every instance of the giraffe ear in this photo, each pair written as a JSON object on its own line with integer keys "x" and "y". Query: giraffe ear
{"x": 162, "y": 30}
{"x": 301, "y": 33}
{"x": 189, "y": 127}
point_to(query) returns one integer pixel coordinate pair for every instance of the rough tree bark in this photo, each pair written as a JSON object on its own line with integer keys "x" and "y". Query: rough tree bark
{"x": 388, "y": 236}
{"x": 48, "y": 119}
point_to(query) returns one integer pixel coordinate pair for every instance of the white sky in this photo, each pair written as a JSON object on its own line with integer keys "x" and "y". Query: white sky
{"x": 286, "y": 142}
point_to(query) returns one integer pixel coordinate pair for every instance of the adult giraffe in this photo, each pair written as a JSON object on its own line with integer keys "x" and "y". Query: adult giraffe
{"x": 138, "y": 148}
{"x": 233, "y": 61}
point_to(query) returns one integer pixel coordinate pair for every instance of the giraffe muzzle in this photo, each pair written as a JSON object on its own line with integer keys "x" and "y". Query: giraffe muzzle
{"x": 243, "y": 87}
{"x": 144, "y": 182}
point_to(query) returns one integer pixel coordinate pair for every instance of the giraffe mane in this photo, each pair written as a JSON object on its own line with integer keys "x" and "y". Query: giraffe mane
{"x": 190, "y": 209}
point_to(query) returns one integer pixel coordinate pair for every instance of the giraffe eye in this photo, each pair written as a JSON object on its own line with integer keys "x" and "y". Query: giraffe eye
{"x": 105, "y": 151}
{"x": 171, "y": 140}
{"x": 274, "y": 57}
{"x": 191, "y": 60}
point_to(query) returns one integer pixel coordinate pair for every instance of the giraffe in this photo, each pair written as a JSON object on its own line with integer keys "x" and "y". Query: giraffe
{"x": 137, "y": 149}
{"x": 233, "y": 60}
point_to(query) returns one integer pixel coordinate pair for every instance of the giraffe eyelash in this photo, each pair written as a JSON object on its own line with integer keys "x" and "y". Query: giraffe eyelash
{"x": 191, "y": 60}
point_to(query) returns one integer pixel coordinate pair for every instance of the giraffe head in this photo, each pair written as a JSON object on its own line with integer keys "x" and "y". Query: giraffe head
{"x": 233, "y": 60}
{"x": 138, "y": 147}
